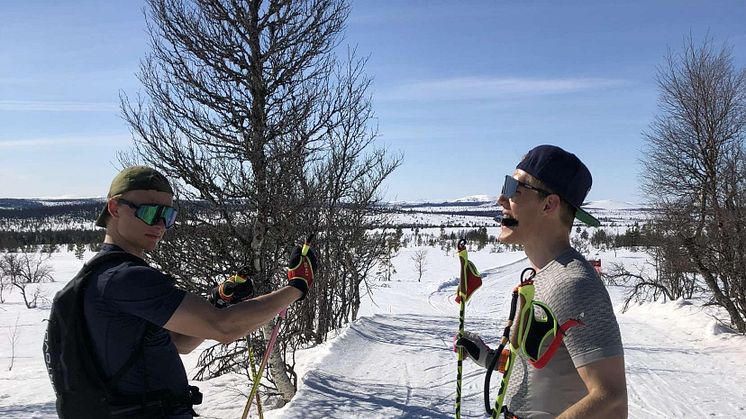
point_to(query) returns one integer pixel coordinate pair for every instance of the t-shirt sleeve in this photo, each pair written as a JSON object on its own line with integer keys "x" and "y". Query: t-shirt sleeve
{"x": 585, "y": 298}
{"x": 143, "y": 292}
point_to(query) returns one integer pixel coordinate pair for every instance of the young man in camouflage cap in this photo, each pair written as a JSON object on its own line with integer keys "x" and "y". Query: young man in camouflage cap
{"x": 585, "y": 376}
{"x": 127, "y": 302}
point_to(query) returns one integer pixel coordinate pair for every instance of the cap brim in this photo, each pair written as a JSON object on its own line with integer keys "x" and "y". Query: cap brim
{"x": 101, "y": 220}
{"x": 587, "y": 218}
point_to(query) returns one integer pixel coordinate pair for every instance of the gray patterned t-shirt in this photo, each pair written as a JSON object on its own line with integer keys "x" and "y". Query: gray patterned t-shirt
{"x": 570, "y": 287}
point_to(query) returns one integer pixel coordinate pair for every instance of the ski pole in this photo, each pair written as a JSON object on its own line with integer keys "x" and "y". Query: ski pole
{"x": 252, "y": 364}
{"x": 509, "y": 357}
{"x": 464, "y": 257}
{"x": 271, "y": 343}
{"x": 263, "y": 364}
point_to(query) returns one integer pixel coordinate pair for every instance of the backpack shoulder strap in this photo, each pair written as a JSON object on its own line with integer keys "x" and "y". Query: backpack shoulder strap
{"x": 137, "y": 353}
{"x": 96, "y": 262}
{"x": 102, "y": 258}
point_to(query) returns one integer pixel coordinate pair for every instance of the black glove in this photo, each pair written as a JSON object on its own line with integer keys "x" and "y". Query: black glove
{"x": 235, "y": 289}
{"x": 475, "y": 349}
{"x": 301, "y": 270}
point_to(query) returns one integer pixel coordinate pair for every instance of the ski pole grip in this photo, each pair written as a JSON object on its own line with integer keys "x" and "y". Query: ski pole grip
{"x": 307, "y": 244}
{"x": 238, "y": 279}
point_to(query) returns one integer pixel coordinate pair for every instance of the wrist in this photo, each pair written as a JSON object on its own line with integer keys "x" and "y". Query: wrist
{"x": 300, "y": 285}
{"x": 490, "y": 356}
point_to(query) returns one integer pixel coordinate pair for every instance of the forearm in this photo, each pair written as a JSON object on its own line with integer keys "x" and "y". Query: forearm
{"x": 243, "y": 318}
{"x": 600, "y": 405}
{"x": 184, "y": 343}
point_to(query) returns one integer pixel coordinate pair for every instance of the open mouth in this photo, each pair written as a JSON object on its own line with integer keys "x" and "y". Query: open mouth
{"x": 508, "y": 221}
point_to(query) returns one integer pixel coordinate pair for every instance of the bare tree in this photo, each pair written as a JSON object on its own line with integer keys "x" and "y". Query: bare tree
{"x": 694, "y": 168}
{"x": 4, "y": 280}
{"x": 420, "y": 261}
{"x": 23, "y": 270}
{"x": 580, "y": 244}
{"x": 666, "y": 275}
{"x": 270, "y": 137}
{"x": 13, "y": 339}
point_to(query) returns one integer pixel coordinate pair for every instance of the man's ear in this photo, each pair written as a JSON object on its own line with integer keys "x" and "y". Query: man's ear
{"x": 113, "y": 207}
{"x": 552, "y": 204}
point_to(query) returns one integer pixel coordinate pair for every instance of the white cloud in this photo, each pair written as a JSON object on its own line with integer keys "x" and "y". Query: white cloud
{"x": 492, "y": 88}
{"x": 56, "y": 106}
{"x": 97, "y": 140}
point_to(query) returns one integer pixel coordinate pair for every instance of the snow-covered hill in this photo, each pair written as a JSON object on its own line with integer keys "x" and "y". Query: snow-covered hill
{"x": 603, "y": 204}
{"x": 606, "y": 204}
{"x": 470, "y": 211}
{"x": 480, "y": 210}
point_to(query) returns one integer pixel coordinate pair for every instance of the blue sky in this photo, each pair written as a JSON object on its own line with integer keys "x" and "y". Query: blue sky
{"x": 463, "y": 89}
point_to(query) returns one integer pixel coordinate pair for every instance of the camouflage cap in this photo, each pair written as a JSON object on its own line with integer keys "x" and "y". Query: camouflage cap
{"x": 134, "y": 178}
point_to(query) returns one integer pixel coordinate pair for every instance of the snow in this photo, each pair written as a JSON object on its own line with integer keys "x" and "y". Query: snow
{"x": 477, "y": 198}
{"x": 491, "y": 200}
{"x": 396, "y": 360}
{"x": 607, "y": 204}
{"x": 423, "y": 218}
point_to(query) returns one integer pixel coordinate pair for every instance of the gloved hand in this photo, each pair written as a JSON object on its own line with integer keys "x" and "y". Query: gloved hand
{"x": 475, "y": 349}
{"x": 235, "y": 289}
{"x": 301, "y": 269}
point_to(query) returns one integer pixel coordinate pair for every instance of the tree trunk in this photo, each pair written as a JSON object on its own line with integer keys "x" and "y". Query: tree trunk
{"x": 277, "y": 367}
{"x": 711, "y": 281}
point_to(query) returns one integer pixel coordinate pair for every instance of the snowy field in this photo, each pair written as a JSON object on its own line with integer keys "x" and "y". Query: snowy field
{"x": 396, "y": 360}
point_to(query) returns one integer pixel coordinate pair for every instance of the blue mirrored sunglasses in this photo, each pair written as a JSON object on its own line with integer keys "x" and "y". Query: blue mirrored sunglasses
{"x": 151, "y": 214}
{"x": 511, "y": 186}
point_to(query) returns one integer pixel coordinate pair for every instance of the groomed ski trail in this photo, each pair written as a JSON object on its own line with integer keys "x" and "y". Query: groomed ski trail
{"x": 674, "y": 372}
{"x": 401, "y": 364}
{"x": 354, "y": 381}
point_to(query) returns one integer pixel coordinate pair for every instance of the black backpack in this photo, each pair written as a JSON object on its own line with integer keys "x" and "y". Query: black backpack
{"x": 79, "y": 383}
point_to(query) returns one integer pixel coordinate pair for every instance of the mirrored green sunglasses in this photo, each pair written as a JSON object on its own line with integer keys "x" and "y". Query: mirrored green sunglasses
{"x": 151, "y": 214}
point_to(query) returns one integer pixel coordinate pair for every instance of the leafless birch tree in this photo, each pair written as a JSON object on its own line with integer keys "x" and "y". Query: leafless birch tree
{"x": 270, "y": 137}
{"x": 694, "y": 168}
{"x": 22, "y": 270}
{"x": 419, "y": 258}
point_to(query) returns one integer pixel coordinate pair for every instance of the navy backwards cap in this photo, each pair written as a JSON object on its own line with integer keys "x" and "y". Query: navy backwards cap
{"x": 564, "y": 174}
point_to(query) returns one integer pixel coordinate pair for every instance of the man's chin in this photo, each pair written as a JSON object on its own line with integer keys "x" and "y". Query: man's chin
{"x": 150, "y": 245}
{"x": 507, "y": 235}
{"x": 507, "y": 229}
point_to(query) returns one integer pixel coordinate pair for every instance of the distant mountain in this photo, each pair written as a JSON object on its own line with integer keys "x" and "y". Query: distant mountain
{"x": 474, "y": 205}
{"x": 488, "y": 200}
{"x": 610, "y": 212}
{"x": 477, "y": 198}
{"x": 28, "y": 203}
{"x": 607, "y": 204}
{"x": 13, "y": 203}
{"x": 467, "y": 201}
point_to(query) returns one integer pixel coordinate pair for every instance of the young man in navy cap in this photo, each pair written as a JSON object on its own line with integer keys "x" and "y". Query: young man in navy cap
{"x": 131, "y": 308}
{"x": 585, "y": 377}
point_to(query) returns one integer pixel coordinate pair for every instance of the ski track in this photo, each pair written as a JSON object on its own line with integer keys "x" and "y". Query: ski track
{"x": 402, "y": 365}
{"x": 348, "y": 383}
{"x": 665, "y": 382}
